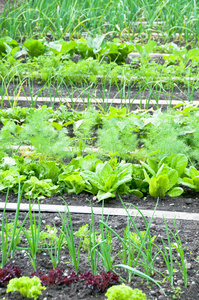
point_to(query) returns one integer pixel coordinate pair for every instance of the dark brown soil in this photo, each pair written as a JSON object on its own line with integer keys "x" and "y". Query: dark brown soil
{"x": 101, "y": 92}
{"x": 187, "y": 203}
{"x": 189, "y": 235}
{"x": 188, "y": 231}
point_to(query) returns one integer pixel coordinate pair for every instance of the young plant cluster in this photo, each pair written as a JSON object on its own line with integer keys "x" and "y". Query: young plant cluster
{"x": 135, "y": 252}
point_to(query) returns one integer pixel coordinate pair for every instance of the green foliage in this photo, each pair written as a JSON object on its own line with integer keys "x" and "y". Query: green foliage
{"x": 10, "y": 179}
{"x": 145, "y": 50}
{"x": 106, "y": 180}
{"x": 43, "y": 170}
{"x": 27, "y": 287}
{"x": 49, "y": 235}
{"x": 47, "y": 141}
{"x": 135, "y": 239}
{"x": 36, "y": 188}
{"x": 124, "y": 292}
{"x": 192, "y": 180}
{"x": 138, "y": 185}
{"x": 8, "y": 135}
{"x": 34, "y": 48}
{"x": 165, "y": 133}
{"x": 83, "y": 128}
{"x": 8, "y": 232}
{"x": 73, "y": 181}
{"x": 118, "y": 135}
{"x": 7, "y": 46}
{"x": 86, "y": 236}
{"x": 164, "y": 179}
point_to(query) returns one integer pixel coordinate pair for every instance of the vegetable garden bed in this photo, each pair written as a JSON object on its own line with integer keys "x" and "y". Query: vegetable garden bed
{"x": 99, "y": 139}
{"x": 188, "y": 203}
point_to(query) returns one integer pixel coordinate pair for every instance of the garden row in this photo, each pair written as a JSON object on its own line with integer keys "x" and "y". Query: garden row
{"x": 143, "y": 159}
{"x": 96, "y": 62}
{"x": 126, "y": 19}
{"x": 121, "y": 254}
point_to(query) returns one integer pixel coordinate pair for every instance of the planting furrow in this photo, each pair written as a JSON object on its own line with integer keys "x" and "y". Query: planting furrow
{"x": 98, "y": 211}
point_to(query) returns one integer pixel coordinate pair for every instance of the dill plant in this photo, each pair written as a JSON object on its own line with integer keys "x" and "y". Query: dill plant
{"x": 48, "y": 142}
{"x": 83, "y": 128}
{"x": 165, "y": 135}
{"x": 118, "y": 136}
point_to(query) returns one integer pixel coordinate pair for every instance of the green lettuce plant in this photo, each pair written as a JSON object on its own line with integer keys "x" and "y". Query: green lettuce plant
{"x": 106, "y": 181}
{"x": 10, "y": 179}
{"x": 34, "y": 48}
{"x": 7, "y": 46}
{"x": 36, "y": 188}
{"x": 164, "y": 179}
{"x": 124, "y": 292}
{"x": 27, "y": 287}
{"x": 192, "y": 179}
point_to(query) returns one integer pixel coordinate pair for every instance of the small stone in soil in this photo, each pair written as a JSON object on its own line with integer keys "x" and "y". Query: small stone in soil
{"x": 188, "y": 201}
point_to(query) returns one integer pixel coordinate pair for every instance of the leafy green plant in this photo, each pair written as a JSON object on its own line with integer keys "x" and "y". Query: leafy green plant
{"x": 118, "y": 135}
{"x": 123, "y": 292}
{"x": 164, "y": 179}
{"x": 36, "y": 188}
{"x": 83, "y": 233}
{"x": 164, "y": 133}
{"x": 192, "y": 180}
{"x": 106, "y": 181}
{"x": 27, "y": 287}
{"x": 8, "y": 46}
{"x": 145, "y": 50}
{"x": 10, "y": 179}
{"x": 34, "y": 48}
{"x": 47, "y": 141}
{"x": 8, "y": 229}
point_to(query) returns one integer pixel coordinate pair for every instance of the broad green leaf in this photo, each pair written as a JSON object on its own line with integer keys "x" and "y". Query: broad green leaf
{"x": 34, "y": 47}
{"x": 103, "y": 171}
{"x": 148, "y": 168}
{"x": 110, "y": 182}
{"x": 179, "y": 163}
{"x": 102, "y": 195}
{"x": 150, "y": 46}
{"x": 175, "y": 192}
{"x": 137, "y": 193}
{"x": 152, "y": 164}
{"x": 147, "y": 178}
{"x": 159, "y": 186}
{"x": 196, "y": 182}
{"x": 193, "y": 172}
{"x": 74, "y": 184}
{"x": 55, "y": 46}
{"x": 173, "y": 177}
{"x": 188, "y": 182}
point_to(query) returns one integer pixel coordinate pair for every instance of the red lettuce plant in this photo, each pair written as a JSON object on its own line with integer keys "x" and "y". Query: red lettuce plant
{"x": 97, "y": 283}
{"x": 55, "y": 276}
{"x": 8, "y": 273}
